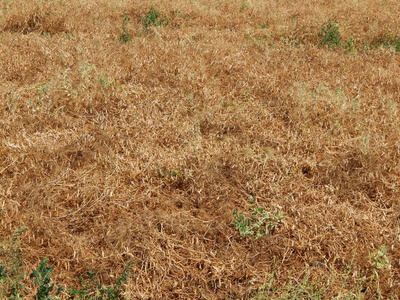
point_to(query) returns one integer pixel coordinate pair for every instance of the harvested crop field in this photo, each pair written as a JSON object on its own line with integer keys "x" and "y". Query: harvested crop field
{"x": 227, "y": 149}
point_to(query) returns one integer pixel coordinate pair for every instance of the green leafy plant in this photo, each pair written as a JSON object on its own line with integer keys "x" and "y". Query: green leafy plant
{"x": 384, "y": 44}
{"x": 379, "y": 262}
{"x": 125, "y": 37}
{"x": 177, "y": 13}
{"x": 171, "y": 174}
{"x": 396, "y": 43}
{"x": 106, "y": 81}
{"x": 91, "y": 288}
{"x": 260, "y": 223}
{"x": 330, "y": 35}
{"x": 387, "y": 43}
{"x": 12, "y": 277}
{"x": 379, "y": 259}
{"x": 42, "y": 280}
{"x": 349, "y": 283}
{"x": 46, "y": 33}
{"x": 350, "y": 46}
{"x": 304, "y": 289}
{"x": 154, "y": 18}
{"x": 3, "y": 277}
{"x": 11, "y": 273}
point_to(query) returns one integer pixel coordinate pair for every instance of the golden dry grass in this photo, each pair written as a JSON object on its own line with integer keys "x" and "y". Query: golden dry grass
{"x": 91, "y": 129}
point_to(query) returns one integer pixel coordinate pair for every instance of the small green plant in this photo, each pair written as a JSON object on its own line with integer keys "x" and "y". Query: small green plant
{"x": 106, "y": 81}
{"x": 366, "y": 46}
{"x": 12, "y": 277}
{"x": 349, "y": 282}
{"x": 125, "y": 37}
{"x": 43, "y": 89}
{"x": 46, "y": 33}
{"x": 330, "y": 35}
{"x": 91, "y": 288}
{"x": 260, "y": 223}
{"x": 379, "y": 261}
{"x": 396, "y": 44}
{"x": 11, "y": 273}
{"x": 350, "y": 46}
{"x": 172, "y": 174}
{"x": 42, "y": 280}
{"x": 384, "y": 44}
{"x": 304, "y": 289}
{"x": 387, "y": 43}
{"x": 177, "y": 13}
{"x": 154, "y": 18}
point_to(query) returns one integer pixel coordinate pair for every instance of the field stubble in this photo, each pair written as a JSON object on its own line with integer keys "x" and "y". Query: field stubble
{"x": 141, "y": 147}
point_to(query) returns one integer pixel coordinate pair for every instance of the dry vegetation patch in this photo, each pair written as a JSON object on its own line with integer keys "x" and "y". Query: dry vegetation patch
{"x": 132, "y": 131}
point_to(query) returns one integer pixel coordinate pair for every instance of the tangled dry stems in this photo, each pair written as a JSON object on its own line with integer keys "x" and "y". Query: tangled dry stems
{"x": 91, "y": 128}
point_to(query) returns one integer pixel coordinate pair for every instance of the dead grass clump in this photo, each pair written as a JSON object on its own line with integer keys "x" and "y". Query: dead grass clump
{"x": 33, "y": 17}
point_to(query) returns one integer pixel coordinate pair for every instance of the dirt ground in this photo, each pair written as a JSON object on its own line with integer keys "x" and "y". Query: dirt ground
{"x": 120, "y": 141}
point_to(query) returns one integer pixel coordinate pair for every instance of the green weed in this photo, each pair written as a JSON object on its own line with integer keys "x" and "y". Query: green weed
{"x": 351, "y": 283}
{"x": 91, "y": 288}
{"x": 172, "y": 174}
{"x": 154, "y": 18}
{"x": 379, "y": 261}
{"x": 12, "y": 277}
{"x": 43, "y": 89}
{"x": 351, "y": 288}
{"x": 396, "y": 43}
{"x": 125, "y": 37}
{"x": 293, "y": 289}
{"x": 366, "y": 46}
{"x": 388, "y": 43}
{"x": 46, "y": 33}
{"x": 11, "y": 273}
{"x": 263, "y": 25}
{"x": 106, "y": 81}
{"x": 177, "y": 13}
{"x": 330, "y": 35}
{"x": 260, "y": 223}
{"x": 42, "y": 280}
{"x": 296, "y": 38}
{"x": 350, "y": 46}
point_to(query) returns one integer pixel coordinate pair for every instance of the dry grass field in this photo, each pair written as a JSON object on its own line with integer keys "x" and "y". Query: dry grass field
{"x": 229, "y": 149}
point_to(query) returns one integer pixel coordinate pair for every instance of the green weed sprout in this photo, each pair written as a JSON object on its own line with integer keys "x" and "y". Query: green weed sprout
{"x": 11, "y": 273}
{"x": 261, "y": 223}
{"x": 154, "y": 18}
{"x": 330, "y": 35}
{"x": 91, "y": 288}
{"x": 42, "y": 280}
{"x": 125, "y": 37}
